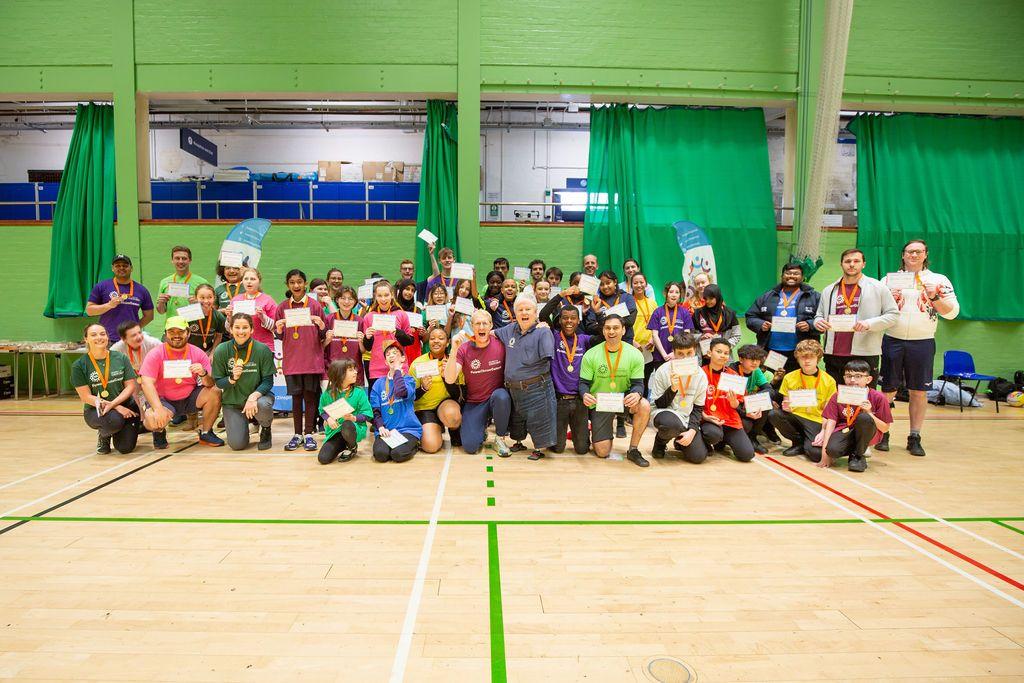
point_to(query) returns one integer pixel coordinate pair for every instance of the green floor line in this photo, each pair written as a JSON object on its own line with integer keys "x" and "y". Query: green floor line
{"x": 498, "y": 672}
{"x": 490, "y": 468}
{"x": 490, "y": 502}
{"x": 490, "y": 483}
{"x": 1007, "y": 526}
{"x": 511, "y": 522}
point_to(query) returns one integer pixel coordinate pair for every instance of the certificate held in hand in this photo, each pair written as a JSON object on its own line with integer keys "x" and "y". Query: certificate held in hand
{"x": 684, "y": 367}
{"x": 191, "y": 312}
{"x": 803, "y": 398}
{"x": 297, "y": 317}
{"x": 842, "y": 323}
{"x": 462, "y": 271}
{"x": 900, "y": 280}
{"x": 618, "y": 309}
{"x": 783, "y": 324}
{"x": 464, "y": 306}
{"x": 438, "y": 313}
{"x": 338, "y": 409}
{"x": 178, "y": 289}
{"x": 850, "y": 395}
{"x": 757, "y": 402}
{"x": 177, "y": 369}
{"x": 247, "y": 306}
{"x": 734, "y": 383}
{"x": 610, "y": 403}
{"x": 589, "y": 284}
{"x": 520, "y": 273}
{"x": 346, "y": 329}
{"x": 384, "y": 323}
{"x": 775, "y": 361}
{"x": 428, "y": 368}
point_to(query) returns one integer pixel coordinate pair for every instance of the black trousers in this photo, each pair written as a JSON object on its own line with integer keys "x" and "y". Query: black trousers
{"x": 834, "y": 366}
{"x": 852, "y": 441}
{"x": 343, "y": 439}
{"x": 669, "y": 426}
{"x": 571, "y": 414}
{"x": 799, "y": 430}
{"x": 113, "y": 424}
{"x": 736, "y": 439}
{"x": 383, "y": 452}
{"x": 754, "y": 427}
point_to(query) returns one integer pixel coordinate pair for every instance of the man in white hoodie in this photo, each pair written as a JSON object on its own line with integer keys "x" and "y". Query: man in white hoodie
{"x": 908, "y": 349}
{"x": 873, "y": 308}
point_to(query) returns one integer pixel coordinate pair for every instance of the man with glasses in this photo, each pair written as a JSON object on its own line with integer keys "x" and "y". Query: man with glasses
{"x": 908, "y": 347}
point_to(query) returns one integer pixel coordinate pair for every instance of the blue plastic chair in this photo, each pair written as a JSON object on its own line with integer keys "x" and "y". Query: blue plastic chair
{"x": 960, "y": 364}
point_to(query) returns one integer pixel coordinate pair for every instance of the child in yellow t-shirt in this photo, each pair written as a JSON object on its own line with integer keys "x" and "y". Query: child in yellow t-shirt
{"x": 801, "y": 423}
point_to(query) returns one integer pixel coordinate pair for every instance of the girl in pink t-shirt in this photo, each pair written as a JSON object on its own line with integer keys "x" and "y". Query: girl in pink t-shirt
{"x": 302, "y": 357}
{"x": 383, "y": 304}
{"x": 266, "y": 307}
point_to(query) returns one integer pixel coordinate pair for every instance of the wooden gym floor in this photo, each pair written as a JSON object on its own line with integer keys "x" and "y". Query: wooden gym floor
{"x": 202, "y": 564}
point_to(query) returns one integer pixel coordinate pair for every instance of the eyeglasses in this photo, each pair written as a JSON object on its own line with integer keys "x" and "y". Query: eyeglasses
{"x": 856, "y": 375}
{"x": 914, "y": 252}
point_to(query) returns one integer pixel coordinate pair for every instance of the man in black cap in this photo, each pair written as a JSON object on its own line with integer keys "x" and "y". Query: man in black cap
{"x": 120, "y": 298}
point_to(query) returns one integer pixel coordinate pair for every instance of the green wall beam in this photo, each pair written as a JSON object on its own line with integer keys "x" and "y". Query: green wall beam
{"x": 126, "y": 231}
{"x": 469, "y": 131}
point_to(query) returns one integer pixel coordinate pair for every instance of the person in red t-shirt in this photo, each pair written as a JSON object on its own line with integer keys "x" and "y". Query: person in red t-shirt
{"x": 862, "y": 425}
{"x": 721, "y": 423}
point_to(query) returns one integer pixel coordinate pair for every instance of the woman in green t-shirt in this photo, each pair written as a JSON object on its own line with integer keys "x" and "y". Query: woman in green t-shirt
{"x": 105, "y": 381}
{"x": 244, "y": 370}
{"x": 343, "y": 433}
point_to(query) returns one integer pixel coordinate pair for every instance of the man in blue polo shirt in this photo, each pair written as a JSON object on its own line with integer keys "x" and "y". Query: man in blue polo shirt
{"x": 120, "y": 298}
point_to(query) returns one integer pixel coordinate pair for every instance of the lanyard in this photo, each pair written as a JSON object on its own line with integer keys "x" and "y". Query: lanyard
{"x": 817, "y": 379}
{"x": 248, "y": 353}
{"x": 786, "y": 301}
{"x": 850, "y": 420}
{"x": 227, "y": 288}
{"x": 104, "y": 376}
{"x": 504, "y": 304}
{"x": 715, "y": 326}
{"x": 131, "y": 289}
{"x": 174, "y": 278}
{"x": 848, "y": 298}
{"x": 209, "y": 321}
{"x": 612, "y": 370}
{"x": 170, "y": 356}
{"x": 570, "y": 353}
{"x": 670, "y": 317}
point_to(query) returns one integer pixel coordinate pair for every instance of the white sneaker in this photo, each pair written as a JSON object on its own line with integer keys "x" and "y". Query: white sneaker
{"x": 500, "y": 447}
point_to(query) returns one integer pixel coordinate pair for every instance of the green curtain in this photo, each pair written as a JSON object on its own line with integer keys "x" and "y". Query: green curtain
{"x": 958, "y": 184}
{"x": 658, "y": 167}
{"x": 82, "y": 238}
{"x": 438, "y": 210}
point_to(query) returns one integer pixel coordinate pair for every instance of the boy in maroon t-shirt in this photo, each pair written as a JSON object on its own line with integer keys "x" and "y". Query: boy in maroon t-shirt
{"x": 848, "y": 430}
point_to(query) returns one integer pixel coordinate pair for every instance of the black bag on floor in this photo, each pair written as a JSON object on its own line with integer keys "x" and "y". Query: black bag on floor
{"x": 1000, "y": 388}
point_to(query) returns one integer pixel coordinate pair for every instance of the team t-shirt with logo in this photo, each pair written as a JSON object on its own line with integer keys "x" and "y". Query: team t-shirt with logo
{"x": 483, "y": 368}
{"x": 83, "y": 374}
{"x": 137, "y": 299}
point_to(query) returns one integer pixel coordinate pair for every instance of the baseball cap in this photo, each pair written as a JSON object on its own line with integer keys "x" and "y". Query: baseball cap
{"x": 121, "y": 257}
{"x": 175, "y": 321}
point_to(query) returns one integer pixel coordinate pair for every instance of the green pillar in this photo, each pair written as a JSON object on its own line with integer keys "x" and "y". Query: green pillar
{"x": 126, "y": 233}
{"x": 469, "y": 131}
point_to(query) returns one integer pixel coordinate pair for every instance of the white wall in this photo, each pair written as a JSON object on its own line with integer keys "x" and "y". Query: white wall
{"x": 28, "y": 149}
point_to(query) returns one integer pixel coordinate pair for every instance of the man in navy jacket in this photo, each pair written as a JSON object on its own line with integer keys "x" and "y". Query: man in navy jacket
{"x": 791, "y": 299}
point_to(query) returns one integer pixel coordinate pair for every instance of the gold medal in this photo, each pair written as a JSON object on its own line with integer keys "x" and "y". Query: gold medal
{"x": 295, "y": 334}
{"x": 391, "y": 411}
{"x": 569, "y": 367}
{"x": 177, "y": 380}
{"x": 344, "y": 348}
{"x": 848, "y": 310}
{"x": 104, "y": 393}
{"x": 612, "y": 384}
{"x": 671, "y": 339}
{"x": 783, "y": 313}
{"x": 714, "y": 408}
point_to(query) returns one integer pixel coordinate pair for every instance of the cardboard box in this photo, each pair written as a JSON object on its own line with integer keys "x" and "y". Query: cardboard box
{"x": 330, "y": 170}
{"x": 384, "y": 171}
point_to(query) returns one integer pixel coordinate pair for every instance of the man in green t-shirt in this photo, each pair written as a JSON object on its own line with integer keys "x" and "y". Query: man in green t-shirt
{"x": 612, "y": 369}
{"x": 244, "y": 370}
{"x": 181, "y": 258}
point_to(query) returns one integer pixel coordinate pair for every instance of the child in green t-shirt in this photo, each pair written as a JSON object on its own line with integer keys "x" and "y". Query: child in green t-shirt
{"x": 345, "y": 429}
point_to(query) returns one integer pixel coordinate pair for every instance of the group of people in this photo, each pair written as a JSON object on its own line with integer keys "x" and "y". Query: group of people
{"x": 531, "y": 355}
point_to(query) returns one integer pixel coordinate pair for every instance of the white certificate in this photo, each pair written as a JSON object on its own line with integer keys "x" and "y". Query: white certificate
{"x": 173, "y": 369}
{"x": 365, "y": 292}
{"x": 555, "y": 291}
{"x": 415, "y": 320}
{"x": 464, "y": 305}
{"x": 438, "y": 313}
{"x": 617, "y": 309}
{"x": 803, "y": 398}
{"x": 338, "y": 409}
{"x": 900, "y": 280}
{"x": 783, "y": 324}
{"x": 756, "y": 402}
{"x": 735, "y": 383}
{"x": 450, "y": 291}
{"x": 297, "y": 317}
{"x": 683, "y": 367}
{"x": 346, "y": 329}
{"x": 384, "y": 323}
{"x": 191, "y": 312}
{"x": 462, "y": 271}
{"x": 520, "y": 273}
{"x": 178, "y": 289}
{"x": 244, "y": 306}
{"x": 705, "y": 346}
{"x": 428, "y": 368}
{"x": 394, "y": 439}
{"x": 589, "y": 284}
{"x": 842, "y": 323}
{"x": 427, "y": 236}
{"x": 775, "y": 361}
{"x": 231, "y": 259}
{"x": 853, "y": 396}
{"x": 609, "y": 403}
{"x": 372, "y": 280}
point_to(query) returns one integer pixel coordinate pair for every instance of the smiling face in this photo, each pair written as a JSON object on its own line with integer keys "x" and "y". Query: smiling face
{"x": 464, "y": 289}
{"x": 630, "y": 269}
{"x": 699, "y": 283}
{"x": 914, "y": 256}
{"x": 481, "y": 324}
{"x": 182, "y": 261}
{"x": 589, "y": 264}
{"x": 447, "y": 259}
{"x": 438, "y": 341}
{"x": 792, "y": 277}
{"x": 207, "y": 298}
{"x": 382, "y": 295}
{"x": 409, "y": 293}
{"x": 320, "y": 291}
{"x": 297, "y": 286}
{"x": 748, "y": 365}
{"x": 346, "y": 302}
{"x": 241, "y": 331}
{"x": 639, "y": 285}
{"x": 438, "y": 296}
{"x": 177, "y": 338}
{"x": 407, "y": 269}
{"x": 542, "y": 290}
{"x": 613, "y": 330}
{"x": 96, "y": 338}
{"x": 569, "y": 320}
{"x": 509, "y": 289}
{"x": 526, "y": 313}
{"x": 122, "y": 270}
{"x": 537, "y": 272}
{"x": 231, "y": 274}
{"x": 672, "y": 295}
{"x": 608, "y": 285}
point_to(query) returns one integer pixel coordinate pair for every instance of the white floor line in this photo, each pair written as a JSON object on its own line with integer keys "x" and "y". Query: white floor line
{"x": 928, "y": 514}
{"x": 46, "y": 471}
{"x": 992, "y": 589}
{"x": 76, "y": 483}
{"x": 411, "y": 610}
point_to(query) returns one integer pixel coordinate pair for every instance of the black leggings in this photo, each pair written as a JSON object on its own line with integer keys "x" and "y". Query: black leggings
{"x": 383, "y": 452}
{"x": 311, "y": 399}
{"x": 125, "y": 432}
{"x": 669, "y": 426}
{"x": 736, "y": 439}
{"x": 343, "y": 439}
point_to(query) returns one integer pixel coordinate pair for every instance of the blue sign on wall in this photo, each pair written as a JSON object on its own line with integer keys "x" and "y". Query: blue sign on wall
{"x": 198, "y": 146}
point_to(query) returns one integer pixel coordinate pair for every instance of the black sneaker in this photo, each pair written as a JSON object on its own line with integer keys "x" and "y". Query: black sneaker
{"x": 633, "y": 455}
{"x": 346, "y": 455}
{"x": 658, "y": 449}
{"x": 536, "y": 455}
{"x": 178, "y": 420}
{"x": 913, "y": 444}
{"x": 103, "y": 445}
{"x": 858, "y": 463}
{"x": 883, "y": 445}
{"x": 266, "y": 440}
{"x": 516, "y": 447}
{"x": 620, "y": 430}
{"x": 793, "y": 450}
{"x": 160, "y": 439}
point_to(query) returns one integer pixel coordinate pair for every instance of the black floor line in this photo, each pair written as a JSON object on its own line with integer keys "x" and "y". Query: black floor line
{"x": 93, "y": 490}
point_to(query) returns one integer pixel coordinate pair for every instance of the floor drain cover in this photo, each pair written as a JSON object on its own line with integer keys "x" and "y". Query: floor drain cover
{"x": 668, "y": 670}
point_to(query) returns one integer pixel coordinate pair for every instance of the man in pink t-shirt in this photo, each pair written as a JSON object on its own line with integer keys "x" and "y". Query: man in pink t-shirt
{"x": 176, "y": 380}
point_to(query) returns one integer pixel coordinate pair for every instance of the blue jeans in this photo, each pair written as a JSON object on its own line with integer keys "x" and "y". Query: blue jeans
{"x": 535, "y": 413}
{"x": 475, "y": 417}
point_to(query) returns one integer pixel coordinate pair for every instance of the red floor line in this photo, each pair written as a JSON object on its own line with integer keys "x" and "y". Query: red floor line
{"x": 881, "y": 515}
